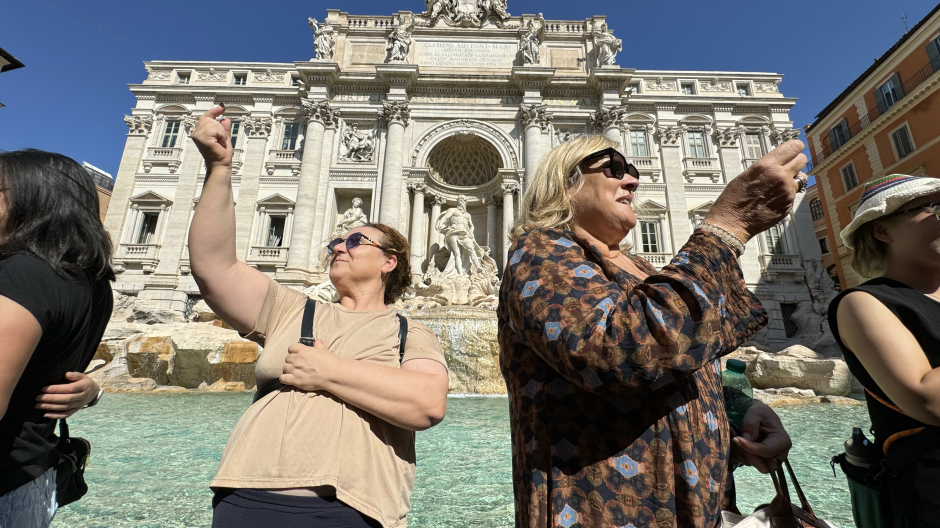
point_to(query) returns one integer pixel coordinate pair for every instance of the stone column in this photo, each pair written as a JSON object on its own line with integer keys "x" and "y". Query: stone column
{"x": 319, "y": 114}
{"x": 671, "y": 151}
{"x": 609, "y": 122}
{"x": 177, "y": 224}
{"x": 491, "y": 234}
{"x": 256, "y": 131}
{"x": 729, "y": 153}
{"x": 435, "y": 214}
{"x": 417, "y": 228}
{"x": 134, "y": 149}
{"x": 396, "y": 116}
{"x": 534, "y": 119}
{"x": 509, "y": 188}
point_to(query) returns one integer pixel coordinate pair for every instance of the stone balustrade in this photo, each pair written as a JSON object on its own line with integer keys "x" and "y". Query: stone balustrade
{"x": 283, "y": 159}
{"x": 147, "y": 255}
{"x": 162, "y": 156}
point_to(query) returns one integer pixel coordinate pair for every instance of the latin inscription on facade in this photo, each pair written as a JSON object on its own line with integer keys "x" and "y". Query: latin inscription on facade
{"x": 465, "y": 54}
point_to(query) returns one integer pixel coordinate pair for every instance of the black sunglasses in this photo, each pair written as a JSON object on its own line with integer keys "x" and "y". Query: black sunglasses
{"x": 617, "y": 167}
{"x": 931, "y": 208}
{"x": 352, "y": 241}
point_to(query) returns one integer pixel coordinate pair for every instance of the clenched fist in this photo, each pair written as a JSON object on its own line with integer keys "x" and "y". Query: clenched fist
{"x": 212, "y": 138}
{"x": 761, "y": 196}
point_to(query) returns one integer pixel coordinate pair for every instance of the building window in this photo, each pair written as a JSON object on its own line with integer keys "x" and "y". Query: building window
{"x": 688, "y": 89}
{"x": 838, "y": 137}
{"x": 633, "y": 88}
{"x": 743, "y": 89}
{"x": 638, "y": 144}
{"x": 823, "y": 246}
{"x": 773, "y": 238}
{"x": 241, "y": 79}
{"x": 902, "y": 142}
{"x": 148, "y": 228}
{"x": 291, "y": 131}
{"x": 889, "y": 93}
{"x": 182, "y": 78}
{"x": 236, "y": 128}
{"x": 849, "y": 178}
{"x": 753, "y": 146}
{"x": 295, "y": 80}
{"x": 696, "y": 144}
{"x": 933, "y": 53}
{"x": 170, "y": 134}
{"x": 815, "y": 207}
{"x": 789, "y": 325}
{"x": 275, "y": 231}
{"x": 649, "y": 236}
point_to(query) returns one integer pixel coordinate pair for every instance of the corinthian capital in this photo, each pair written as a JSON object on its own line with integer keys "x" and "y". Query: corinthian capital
{"x": 509, "y": 187}
{"x": 534, "y": 115}
{"x": 782, "y": 135}
{"x": 728, "y": 137}
{"x": 257, "y": 126}
{"x": 670, "y": 135}
{"x": 139, "y": 125}
{"x": 320, "y": 111}
{"x": 606, "y": 118}
{"x": 189, "y": 123}
{"x": 417, "y": 187}
{"x": 395, "y": 112}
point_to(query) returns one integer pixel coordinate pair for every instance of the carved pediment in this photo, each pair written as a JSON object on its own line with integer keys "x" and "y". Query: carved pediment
{"x": 276, "y": 200}
{"x": 150, "y": 197}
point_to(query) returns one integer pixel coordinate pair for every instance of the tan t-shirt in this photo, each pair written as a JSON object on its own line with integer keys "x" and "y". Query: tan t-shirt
{"x": 295, "y": 439}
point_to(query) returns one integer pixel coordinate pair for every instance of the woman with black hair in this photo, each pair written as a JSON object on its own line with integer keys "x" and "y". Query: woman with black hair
{"x": 55, "y": 302}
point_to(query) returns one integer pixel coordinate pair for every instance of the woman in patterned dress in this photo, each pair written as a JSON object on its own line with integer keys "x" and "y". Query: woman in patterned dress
{"x": 616, "y": 403}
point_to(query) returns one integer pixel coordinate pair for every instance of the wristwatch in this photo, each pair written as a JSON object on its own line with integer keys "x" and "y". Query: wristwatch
{"x": 96, "y": 400}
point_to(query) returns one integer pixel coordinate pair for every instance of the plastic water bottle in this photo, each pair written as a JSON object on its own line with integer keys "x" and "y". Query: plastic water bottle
{"x": 733, "y": 377}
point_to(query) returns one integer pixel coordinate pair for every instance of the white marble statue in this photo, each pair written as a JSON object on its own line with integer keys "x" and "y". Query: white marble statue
{"x": 322, "y": 40}
{"x": 456, "y": 226}
{"x": 353, "y": 217}
{"x": 359, "y": 145}
{"x": 436, "y": 8}
{"x": 607, "y": 46}
{"x": 399, "y": 40}
{"x": 495, "y": 9}
{"x": 531, "y": 39}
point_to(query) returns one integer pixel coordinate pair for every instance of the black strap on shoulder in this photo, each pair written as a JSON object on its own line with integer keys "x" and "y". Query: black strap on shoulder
{"x": 306, "y": 325}
{"x": 402, "y": 336}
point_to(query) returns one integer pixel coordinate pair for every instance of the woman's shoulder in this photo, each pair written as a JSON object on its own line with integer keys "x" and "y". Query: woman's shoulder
{"x": 544, "y": 236}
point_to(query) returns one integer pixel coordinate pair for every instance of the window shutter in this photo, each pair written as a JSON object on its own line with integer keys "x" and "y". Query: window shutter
{"x": 933, "y": 52}
{"x": 845, "y": 129}
{"x": 898, "y": 89}
{"x": 833, "y": 141}
{"x": 880, "y": 101}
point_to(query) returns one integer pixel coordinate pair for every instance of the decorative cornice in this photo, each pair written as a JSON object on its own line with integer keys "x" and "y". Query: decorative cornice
{"x": 535, "y": 115}
{"x": 139, "y": 125}
{"x": 722, "y": 107}
{"x": 320, "y": 111}
{"x": 395, "y": 112}
{"x": 257, "y": 126}
{"x": 262, "y": 98}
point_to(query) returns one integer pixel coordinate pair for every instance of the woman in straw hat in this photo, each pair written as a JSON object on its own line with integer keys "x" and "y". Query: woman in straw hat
{"x": 889, "y": 331}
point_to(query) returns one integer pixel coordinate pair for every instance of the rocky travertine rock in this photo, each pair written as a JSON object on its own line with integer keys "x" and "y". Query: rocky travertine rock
{"x": 103, "y": 352}
{"x": 170, "y": 388}
{"x": 147, "y": 312}
{"x": 131, "y": 385}
{"x": 234, "y": 362}
{"x": 193, "y": 344}
{"x": 824, "y": 376}
{"x": 799, "y": 351}
{"x": 150, "y": 357}
{"x": 201, "y": 313}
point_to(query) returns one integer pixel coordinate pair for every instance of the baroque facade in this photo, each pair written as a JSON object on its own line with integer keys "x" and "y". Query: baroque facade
{"x": 433, "y": 123}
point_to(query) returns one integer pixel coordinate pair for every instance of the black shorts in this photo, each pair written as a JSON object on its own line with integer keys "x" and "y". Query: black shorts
{"x": 251, "y": 508}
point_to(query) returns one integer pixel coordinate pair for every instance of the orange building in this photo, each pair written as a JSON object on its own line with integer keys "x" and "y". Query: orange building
{"x": 822, "y": 233}
{"x": 886, "y": 122}
{"x": 104, "y": 184}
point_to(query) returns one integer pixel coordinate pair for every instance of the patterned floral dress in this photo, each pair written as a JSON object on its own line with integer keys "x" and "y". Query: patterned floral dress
{"x": 615, "y": 392}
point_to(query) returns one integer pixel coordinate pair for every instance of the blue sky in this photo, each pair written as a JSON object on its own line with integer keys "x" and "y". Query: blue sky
{"x": 81, "y": 54}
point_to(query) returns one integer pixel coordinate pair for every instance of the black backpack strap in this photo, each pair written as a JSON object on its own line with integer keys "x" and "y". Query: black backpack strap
{"x": 905, "y": 454}
{"x": 306, "y": 338}
{"x": 402, "y": 336}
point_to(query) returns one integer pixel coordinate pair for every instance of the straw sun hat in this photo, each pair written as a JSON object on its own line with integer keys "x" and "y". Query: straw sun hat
{"x": 885, "y": 196}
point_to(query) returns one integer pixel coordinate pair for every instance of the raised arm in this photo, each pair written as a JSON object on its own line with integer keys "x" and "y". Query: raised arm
{"x": 234, "y": 290}
{"x": 891, "y": 355}
{"x": 604, "y": 339}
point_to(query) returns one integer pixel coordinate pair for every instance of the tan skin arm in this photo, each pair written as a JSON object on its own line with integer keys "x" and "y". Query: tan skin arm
{"x": 891, "y": 355}
{"x": 20, "y": 333}
{"x": 412, "y": 397}
{"x": 233, "y": 290}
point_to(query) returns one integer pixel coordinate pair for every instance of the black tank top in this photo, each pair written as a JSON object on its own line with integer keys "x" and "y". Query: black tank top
{"x": 916, "y": 490}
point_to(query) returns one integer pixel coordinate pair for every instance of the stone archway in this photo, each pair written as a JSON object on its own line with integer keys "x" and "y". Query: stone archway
{"x": 464, "y": 160}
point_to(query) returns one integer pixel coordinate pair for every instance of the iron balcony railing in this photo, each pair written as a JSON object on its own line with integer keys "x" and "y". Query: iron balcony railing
{"x": 864, "y": 121}
{"x": 103, "y": 181}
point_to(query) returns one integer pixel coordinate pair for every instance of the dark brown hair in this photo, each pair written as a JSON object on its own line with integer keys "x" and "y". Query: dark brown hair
{"x": 400, "y": 278}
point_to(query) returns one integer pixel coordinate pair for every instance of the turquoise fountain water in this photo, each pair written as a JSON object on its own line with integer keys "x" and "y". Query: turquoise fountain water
{"x": 154, "y": 454}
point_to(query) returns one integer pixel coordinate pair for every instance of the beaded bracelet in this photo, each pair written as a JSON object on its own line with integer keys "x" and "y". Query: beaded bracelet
{"x": 726, "y": 236}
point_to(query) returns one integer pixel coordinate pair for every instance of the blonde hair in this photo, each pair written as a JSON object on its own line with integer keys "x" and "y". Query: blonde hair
{"x": 870, "y": 256}
{"x": 546, "y": 202}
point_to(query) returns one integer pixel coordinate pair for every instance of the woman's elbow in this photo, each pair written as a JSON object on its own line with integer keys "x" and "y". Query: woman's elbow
{"x": 432, "y": 413}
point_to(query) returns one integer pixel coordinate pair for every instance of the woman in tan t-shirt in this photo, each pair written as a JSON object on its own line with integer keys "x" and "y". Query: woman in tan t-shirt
{"x": 335, "y": 446}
